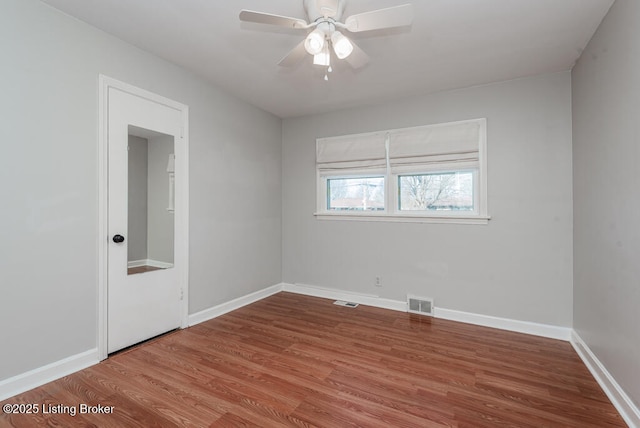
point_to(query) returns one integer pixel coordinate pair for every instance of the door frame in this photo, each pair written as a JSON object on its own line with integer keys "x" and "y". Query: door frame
{"x": 181, "y": 221}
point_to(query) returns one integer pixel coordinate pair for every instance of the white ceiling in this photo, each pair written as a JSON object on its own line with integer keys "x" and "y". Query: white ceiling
{"x": 451, "y": 44}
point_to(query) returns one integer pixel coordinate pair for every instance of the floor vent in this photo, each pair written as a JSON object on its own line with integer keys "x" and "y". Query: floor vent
{"x": 419, "y": 305}
{"x": 345, "y": 304}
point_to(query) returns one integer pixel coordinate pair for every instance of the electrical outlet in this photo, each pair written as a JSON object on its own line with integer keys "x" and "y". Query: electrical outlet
{"x": 377, "y": 282}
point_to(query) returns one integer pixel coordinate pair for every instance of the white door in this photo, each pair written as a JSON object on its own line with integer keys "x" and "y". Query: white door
{"x": 144, "y": 139}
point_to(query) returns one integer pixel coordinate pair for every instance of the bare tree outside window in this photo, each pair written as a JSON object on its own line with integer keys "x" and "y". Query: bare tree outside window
{"x": 451, "y": 191}
{"x": 355, "y": 194}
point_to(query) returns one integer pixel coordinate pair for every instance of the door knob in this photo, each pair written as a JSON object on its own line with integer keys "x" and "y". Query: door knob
{"x": 118, "y": 239}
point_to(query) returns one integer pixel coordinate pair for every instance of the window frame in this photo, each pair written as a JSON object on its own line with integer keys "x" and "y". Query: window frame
{"x": 327, "y": 178}
{"x": 434, "y": 213}
{"x": 391, "y": 211}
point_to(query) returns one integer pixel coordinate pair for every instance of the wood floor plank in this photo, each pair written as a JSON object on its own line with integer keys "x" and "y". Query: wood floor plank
{"x": 297, "y": 361}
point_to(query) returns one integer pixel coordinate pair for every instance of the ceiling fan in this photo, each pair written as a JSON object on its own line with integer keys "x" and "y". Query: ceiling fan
{"x": 325, "y": 23}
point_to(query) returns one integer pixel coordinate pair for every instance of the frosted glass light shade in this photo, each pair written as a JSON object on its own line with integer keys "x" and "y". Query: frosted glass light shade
{"x": 314, "y": 43}
{"x": 323, "y": 58}
{"x": 341, "y": 45}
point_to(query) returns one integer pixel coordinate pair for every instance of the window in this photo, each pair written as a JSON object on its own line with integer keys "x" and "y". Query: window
{"x": 355, "y": 194}
{"x": 444, "y": 191}
{"x": 434, "y": 173}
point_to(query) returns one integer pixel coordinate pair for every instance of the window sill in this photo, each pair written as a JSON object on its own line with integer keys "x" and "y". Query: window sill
{"x": 405, "y": 218}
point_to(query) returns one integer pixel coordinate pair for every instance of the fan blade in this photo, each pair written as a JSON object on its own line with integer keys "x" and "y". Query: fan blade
{"x": 397, "y": 16}
{"x": 294, "y": 57}
{"x": 358, "y": 58}
{"x": 267, "y": 18}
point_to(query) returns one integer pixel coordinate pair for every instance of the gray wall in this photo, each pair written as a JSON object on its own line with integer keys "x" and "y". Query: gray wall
{"x": 519, "y": 266}
{"x": 150, "y": 225}
{"x": 606, "y": 113}
{"x": 138, "y": 195}
{"x": 160, "y": 227}
{"x": 48, "y": 257}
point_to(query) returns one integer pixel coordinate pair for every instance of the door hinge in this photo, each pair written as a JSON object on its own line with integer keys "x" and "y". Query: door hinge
{"x": 182, "y": 294}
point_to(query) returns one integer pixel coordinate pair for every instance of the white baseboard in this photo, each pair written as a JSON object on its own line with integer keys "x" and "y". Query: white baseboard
{"x": 232, "y": 305}
{"x": 37, "y": 377}
{"x": 618, "y": 397}
{"x": 630, "y": 413}
{"x": 553, "y": 332}
{"x": 335, "y": 294}
{"x": 625, "y": 406}
{"x": 543, "y": 330}
{"x": 149, "y": 262}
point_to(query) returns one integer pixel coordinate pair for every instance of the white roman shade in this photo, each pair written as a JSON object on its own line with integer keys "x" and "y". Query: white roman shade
{"x": 455, "y": 144}
{"x": 426, "y": 155}
{"x": 450, "y": 143}
{"x": 351, "y": 152}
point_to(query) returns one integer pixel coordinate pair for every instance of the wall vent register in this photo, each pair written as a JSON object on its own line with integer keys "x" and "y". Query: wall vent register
{"x": 419, "y": 305}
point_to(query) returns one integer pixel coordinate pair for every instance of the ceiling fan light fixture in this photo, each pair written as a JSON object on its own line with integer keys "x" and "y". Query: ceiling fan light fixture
{"x": 314, "y": 43}
{"x": 323, "y": 58}
{"x": 323, "y": 18}
{"x": 342, "y": 46}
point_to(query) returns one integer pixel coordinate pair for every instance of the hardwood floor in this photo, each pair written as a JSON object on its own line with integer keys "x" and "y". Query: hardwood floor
{"x": 141, "y": 269}
{"x": 292, "y": 360}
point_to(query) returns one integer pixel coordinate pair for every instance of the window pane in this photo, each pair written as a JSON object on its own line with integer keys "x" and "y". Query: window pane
{"x": 448, "y": 191}
{"x": 355, "y": 194}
